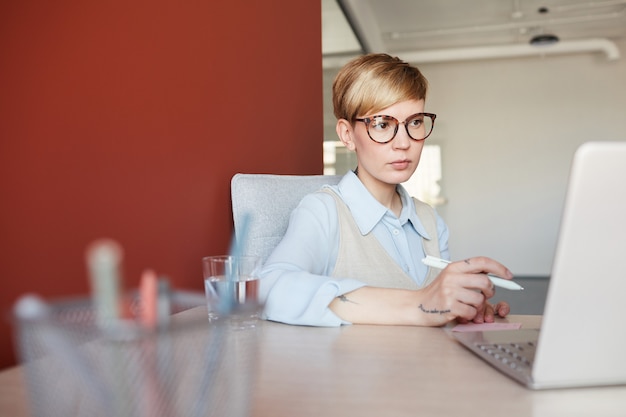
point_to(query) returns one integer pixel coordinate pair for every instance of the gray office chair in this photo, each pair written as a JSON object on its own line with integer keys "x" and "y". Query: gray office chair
{"x": 268, "y": 200}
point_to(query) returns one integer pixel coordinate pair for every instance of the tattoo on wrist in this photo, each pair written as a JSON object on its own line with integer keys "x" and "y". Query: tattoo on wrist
{"x": 432, "y": 310}
{"x": 346, "y": 300}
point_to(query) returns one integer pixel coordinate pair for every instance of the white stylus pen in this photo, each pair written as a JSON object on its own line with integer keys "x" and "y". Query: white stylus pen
{"x": 498, "y": 282}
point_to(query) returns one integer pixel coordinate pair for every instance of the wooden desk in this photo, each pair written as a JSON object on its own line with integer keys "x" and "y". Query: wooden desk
{"x": 383, "y": 371}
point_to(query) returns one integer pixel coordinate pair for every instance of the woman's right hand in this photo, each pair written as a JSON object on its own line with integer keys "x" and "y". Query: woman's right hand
{"x": 459, "y": 292}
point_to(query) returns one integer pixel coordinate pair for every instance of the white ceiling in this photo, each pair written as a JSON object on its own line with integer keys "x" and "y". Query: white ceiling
{"x": 409, "y": 28}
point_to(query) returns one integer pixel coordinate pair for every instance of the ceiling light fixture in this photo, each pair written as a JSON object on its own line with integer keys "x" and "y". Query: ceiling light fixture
{"x": 544, "y": 39}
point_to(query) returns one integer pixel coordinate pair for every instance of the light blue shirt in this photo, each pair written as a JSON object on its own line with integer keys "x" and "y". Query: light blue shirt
{"x": 296, "y": 279}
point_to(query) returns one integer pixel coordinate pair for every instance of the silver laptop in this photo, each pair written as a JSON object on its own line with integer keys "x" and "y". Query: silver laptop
{"x": 582, "y": 341}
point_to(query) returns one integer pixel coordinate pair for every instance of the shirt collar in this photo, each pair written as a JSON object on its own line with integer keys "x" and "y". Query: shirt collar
{"x": 368, "y": 212}
{"x": 409, "y": 213}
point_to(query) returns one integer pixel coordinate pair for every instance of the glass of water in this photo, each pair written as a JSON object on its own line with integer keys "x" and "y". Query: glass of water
{"x": 231, "y": 285}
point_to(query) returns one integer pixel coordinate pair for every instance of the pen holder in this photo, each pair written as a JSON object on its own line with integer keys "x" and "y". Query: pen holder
{"x": 75, "y": 366}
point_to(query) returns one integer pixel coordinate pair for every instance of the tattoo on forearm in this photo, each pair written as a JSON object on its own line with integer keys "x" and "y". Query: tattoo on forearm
{"x": 346, "y": 300}
{"x": 432, "y": 310}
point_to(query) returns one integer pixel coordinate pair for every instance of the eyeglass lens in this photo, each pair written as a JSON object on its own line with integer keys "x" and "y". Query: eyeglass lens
{"x": 384, "y": 128}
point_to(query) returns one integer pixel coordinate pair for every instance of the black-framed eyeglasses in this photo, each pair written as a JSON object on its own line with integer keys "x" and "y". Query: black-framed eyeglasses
{"x": 383, "y": 129}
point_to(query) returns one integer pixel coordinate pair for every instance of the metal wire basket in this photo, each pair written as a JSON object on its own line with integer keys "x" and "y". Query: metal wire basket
{"x": 189, "y": 367}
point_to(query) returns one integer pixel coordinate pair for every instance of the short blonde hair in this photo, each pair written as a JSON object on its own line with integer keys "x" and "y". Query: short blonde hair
{"x": 373, "y": 82}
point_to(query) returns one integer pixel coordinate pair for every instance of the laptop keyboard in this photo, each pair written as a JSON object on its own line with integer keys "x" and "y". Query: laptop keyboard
{"x": 517, "y": 356}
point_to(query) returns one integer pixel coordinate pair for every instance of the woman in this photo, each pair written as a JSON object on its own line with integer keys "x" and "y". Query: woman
{"x": 352, "y": 252}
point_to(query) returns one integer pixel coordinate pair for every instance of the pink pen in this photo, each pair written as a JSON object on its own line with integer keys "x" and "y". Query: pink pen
{"x": 148, "y": 294}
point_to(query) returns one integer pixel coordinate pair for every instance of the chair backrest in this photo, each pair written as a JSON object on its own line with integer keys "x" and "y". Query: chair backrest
{"x": 268, "y": 200}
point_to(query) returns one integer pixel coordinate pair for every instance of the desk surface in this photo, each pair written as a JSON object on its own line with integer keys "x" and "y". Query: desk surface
{"x": 382, "y": 370}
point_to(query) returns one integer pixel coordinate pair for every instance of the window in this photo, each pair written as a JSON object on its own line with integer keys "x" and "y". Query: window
{"x": 424, "y": 184}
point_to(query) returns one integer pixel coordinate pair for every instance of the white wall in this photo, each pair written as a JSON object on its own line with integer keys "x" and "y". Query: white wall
{"x": 508, "y": 129}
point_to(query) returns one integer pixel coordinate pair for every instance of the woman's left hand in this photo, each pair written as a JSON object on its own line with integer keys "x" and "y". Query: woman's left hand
{"x": 489, "y": 312}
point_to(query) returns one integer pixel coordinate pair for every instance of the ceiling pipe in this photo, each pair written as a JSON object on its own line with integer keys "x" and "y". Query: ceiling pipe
{"x": 494, "y": 52}
{"x": 512, "y": 51}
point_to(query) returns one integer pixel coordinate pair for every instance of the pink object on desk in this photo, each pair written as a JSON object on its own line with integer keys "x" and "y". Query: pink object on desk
{"x": 483, "y": 327}
{"x": 148, "y": 293}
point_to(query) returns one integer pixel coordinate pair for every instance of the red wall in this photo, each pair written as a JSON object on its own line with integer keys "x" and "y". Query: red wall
{"x": 127, "y": 119}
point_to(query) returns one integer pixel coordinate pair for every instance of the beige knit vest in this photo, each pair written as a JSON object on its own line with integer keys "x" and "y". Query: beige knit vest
{"x": 364, "y": 258}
